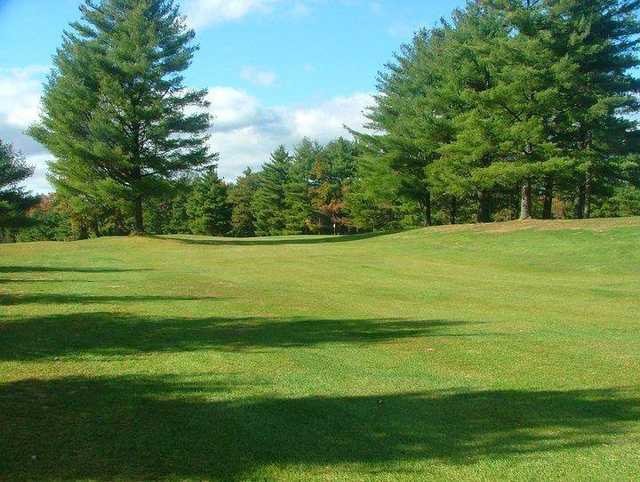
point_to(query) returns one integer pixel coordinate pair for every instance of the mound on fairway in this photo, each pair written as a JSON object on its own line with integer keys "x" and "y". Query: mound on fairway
{"x": 508, "y": 351}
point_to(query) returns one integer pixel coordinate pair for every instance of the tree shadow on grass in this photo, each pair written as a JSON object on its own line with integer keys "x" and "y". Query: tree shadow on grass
{"x": 155, "y": 428}
{"x": 51, "y": 298}
{"x": 109, "y": 334}
{"x": 13, "y": 280}
{"x": 61, "y": 269}
{"x": 278, "y": 241}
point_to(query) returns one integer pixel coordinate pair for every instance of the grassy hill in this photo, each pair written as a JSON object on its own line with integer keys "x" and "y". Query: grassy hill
{"x": 507, "y": 351}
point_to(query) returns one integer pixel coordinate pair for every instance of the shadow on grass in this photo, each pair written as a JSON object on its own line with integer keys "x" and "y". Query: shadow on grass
{"x": 51, "y": 298}
{"x": 13, "y": 280}
{"x": 109, "y": 334}
{"x": 294, "y": 240}
{"x": 152, "y": 428}
{"x": 58, "y": 269}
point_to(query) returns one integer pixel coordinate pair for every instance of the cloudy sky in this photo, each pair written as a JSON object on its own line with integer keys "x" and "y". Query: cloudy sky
{"x": 276, "y": 70}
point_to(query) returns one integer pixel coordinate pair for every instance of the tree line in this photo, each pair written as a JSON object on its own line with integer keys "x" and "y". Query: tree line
{"x": 510, "y": 109}
{"x": 300, "y": 192}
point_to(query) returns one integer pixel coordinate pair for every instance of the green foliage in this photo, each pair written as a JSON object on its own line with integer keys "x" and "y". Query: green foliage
{"x": 241, "y": 195}
{"x": 49, "y": 221}
{"x": 14, "y": 200}
{"x": 116, "y": 114}
{"x": 269, "y": 202}
{"x": 510, "y": 108}
{"x": 298, "y": 204}
{"x": 331, "y": 178}
{"x": 507, "y": 95}
{"x": 407, "y": 120}
{"x": 624, "y": 202}
{"x": 208, "y": 207}
{"x": 305, "y": 192}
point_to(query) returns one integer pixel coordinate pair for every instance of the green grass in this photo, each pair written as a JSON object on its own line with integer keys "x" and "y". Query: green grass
{"x": 507, "y": 351}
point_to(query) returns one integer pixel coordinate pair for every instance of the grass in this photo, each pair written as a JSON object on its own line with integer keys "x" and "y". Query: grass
{"x": 495, "y": 352}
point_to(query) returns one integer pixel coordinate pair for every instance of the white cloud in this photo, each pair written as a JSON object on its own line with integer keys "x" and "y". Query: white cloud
{"x": 202, "y": 13}
{"x": 329, "y": 118}
{"x": 232, "y": 108}
{"x": 263, "y": 78}
{"x": 245, "y": 132}
{"x": 20, "y": 95}
{"x": 19, "y": 107}
{"x": 38, "y": 182}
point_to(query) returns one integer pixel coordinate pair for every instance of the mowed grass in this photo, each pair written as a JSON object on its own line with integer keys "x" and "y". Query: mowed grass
{"x": 507, "y": 351}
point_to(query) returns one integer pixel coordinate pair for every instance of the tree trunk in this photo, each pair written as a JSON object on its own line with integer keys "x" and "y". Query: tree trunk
{"x": 95, "y": 227}
{"x": 588, "y": 187}
{"x": 83, "y": 231}
{"x": 548, "y": 199}
{"x": 138, "y": 216}
{"x": 484, "y": 207}
{"x": 525, "y": 201}
{"x": 453, "y": 213}
{"x": 427, "y": 208}
{"x": 580, "y": 200}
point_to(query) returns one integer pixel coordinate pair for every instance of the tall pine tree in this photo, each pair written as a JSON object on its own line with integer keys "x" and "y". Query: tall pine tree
{"x": 599, "y": 40}
{"x": 115, "y": 108}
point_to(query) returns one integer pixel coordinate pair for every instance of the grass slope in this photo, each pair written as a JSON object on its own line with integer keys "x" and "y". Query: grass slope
{"x": 493, "y": 352}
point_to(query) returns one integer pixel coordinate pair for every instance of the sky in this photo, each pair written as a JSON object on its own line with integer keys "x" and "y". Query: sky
{"x": 276, "y": 70}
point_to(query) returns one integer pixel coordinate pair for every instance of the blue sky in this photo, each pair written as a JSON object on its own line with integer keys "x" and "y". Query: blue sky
{"x": 277, "y": 70}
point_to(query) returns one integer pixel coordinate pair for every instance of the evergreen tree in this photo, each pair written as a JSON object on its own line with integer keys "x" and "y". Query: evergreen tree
{"x": 298, "y": 211}
{"x": 14, "y": 200}
{"x": 268, "y": 204}
{"x": 166, "y": 213}
{"x": 241, "y": 196}
{"x": 599, "y": 41}
{"x": 179, "y": 222}
{"x": 208, "y": 207}
{"x": 49, "y": 221}
{"x": 511, "y": 94}
{"x": 407, "y": 118}
{"x": 503, "y": 134}
{"x": 374, "y": 202}
{"x": 116, "y": 114}
{"x": 332, "y": 176}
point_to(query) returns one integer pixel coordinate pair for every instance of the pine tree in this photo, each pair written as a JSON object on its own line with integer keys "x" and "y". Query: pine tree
{"x": 269, "y": 201}
{"x": 410, "y": 118}
{"x": 115, "y": 110}
{"x": 241, "y": 196}
{"x": 332, "y": 176}
{"x": 48, "y": 222}
{"x": 298, "y": 211}
{"x": 14, "y": 200}
{"x": 208, "y": 207}
{"x": 599, "y": 41}
{"x": 511, "y": 95}
{"x": 374, "y": 201}
{"x": 179, "y": 217}
{"x": 502, "y": 135}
